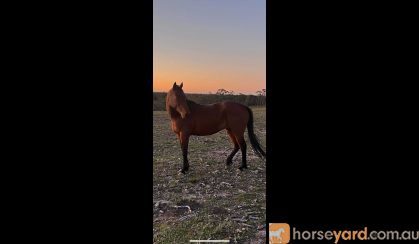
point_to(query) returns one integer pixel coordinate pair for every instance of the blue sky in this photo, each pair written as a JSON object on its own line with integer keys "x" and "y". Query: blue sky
{"x": 210, "y": 44}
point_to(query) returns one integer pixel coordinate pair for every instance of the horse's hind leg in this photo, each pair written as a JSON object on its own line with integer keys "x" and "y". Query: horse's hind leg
{"x": 243, "y": 146}
{"x": 236, "y": 147}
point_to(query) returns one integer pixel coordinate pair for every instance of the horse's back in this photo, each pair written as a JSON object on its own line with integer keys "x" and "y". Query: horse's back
{"x": 234, "y": 108}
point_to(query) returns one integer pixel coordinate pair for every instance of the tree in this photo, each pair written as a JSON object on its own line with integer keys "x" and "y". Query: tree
{"x": 224, "y": 92}
{"x": 261, "y": 92}
{"x": 221, "y": 92}
{"x": 261, "y": 98}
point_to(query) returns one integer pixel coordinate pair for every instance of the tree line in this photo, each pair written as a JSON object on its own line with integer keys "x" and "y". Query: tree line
{"x": 159, "y": 98}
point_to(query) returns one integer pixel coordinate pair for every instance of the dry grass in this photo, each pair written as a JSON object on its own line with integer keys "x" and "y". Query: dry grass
{"x": 222, "y": 202}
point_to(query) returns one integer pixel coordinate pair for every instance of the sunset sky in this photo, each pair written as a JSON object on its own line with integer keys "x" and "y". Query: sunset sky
{"x": 209, "y": 44}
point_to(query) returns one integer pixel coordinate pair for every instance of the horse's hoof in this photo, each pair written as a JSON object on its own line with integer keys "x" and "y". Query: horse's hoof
{"x": 243, "y": 167}
{"x": 228, "y": 163}
{"x": 184, "y": 170}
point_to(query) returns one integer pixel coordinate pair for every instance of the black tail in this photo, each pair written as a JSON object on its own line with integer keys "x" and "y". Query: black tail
{"x": 253, "y": 139}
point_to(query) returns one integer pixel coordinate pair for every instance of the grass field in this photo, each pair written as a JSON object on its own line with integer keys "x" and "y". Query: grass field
{"x": 211, "y": 201}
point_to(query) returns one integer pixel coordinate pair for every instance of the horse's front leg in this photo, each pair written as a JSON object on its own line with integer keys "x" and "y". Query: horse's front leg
{"x": 184, "y": 141}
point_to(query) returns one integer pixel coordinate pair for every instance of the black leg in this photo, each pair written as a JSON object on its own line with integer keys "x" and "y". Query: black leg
{"x": 243, "y": 149}
{"x": 185, "y": 167}
{"x": 231, "y": 156}
{"x": 184, "y": 141}
{"x": 236, "y": 147}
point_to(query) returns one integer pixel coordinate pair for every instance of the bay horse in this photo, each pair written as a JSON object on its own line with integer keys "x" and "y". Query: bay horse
{"x": 190, "y": 118}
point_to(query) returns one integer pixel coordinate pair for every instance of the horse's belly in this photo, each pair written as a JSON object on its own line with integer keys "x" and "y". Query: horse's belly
{"x": 206, "y": 129}
{"x": 205, "y": 132}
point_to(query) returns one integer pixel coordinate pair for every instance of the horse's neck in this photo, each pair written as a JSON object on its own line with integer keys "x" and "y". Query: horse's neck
{"x": 173, "y": 113}
{"x": 193, "y": 105}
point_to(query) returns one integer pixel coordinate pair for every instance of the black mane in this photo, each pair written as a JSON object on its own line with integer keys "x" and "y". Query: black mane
{"x": 190, "y": 102}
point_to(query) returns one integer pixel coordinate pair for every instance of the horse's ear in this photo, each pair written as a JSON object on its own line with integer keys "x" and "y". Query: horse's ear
{"x": 181, "y": 85}
{"x": 174, "y": 84}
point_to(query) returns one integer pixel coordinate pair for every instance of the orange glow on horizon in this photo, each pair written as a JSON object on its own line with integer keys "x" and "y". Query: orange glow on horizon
{"x": 202, "y": 82}
{"x": 202, "y": 87}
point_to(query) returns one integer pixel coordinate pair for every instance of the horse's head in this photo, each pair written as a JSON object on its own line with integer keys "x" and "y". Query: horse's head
{"x": 176, "y": 99}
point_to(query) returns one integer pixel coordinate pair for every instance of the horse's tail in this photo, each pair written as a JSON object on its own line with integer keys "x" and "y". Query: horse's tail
{"x": 253, "y": 139}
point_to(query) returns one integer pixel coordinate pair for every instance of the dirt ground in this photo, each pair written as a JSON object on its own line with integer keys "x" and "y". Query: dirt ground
{"x": 211, "y": 201}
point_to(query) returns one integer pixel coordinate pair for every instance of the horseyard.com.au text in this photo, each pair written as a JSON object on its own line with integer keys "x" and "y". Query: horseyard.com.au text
{"x": 281, "y": 233}
{"x": 347, "y": 235}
